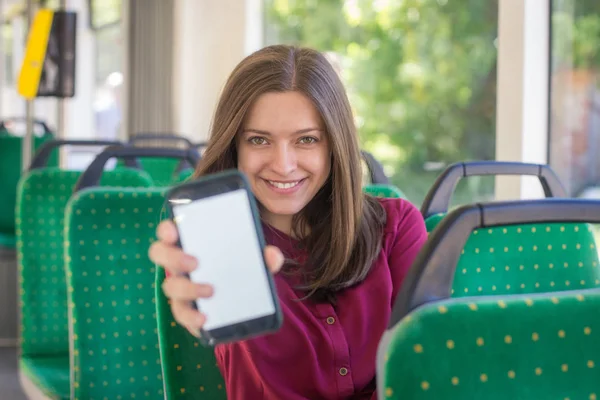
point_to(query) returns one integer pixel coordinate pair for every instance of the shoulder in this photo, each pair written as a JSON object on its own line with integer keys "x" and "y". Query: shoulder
{"x": 401, "y": 215}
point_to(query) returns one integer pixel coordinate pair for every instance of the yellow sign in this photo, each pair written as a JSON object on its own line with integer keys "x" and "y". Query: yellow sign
{"x": 35, "y": 54}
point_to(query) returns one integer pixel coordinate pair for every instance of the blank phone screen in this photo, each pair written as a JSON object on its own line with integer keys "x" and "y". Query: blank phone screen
{"x": 220, "y": 232}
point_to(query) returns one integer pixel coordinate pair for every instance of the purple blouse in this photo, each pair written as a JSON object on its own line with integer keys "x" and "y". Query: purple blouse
{"x": 322, "y": 352}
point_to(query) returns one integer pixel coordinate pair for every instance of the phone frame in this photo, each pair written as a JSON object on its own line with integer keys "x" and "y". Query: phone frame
{"x": 208, "y": 186}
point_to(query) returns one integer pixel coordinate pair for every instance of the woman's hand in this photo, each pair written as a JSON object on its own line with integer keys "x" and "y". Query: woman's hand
{"x": 177, "y": 287}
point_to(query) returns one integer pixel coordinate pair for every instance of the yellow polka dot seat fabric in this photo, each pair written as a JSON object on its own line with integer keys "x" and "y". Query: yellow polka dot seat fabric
{"x": 528, "y": 258}
{"x": 383, "y": 190}
{"x": 42, "y": 196}
{"x": 115, "y": 352}
{"x": 189, "y": 369}
{"x": 543, "y": 346}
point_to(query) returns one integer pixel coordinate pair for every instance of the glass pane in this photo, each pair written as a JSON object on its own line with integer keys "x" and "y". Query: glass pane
{"x": 109, "y": 81}
{"x": 575, "y": 95}
{"x": 421, "y": 76}
{"x": 7, "y": 38}
{"x": 104, "y": 12}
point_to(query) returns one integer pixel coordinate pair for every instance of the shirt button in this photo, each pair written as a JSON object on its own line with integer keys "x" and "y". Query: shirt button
{"x": 343, "y": 371}
{"x": 331, "y": 320}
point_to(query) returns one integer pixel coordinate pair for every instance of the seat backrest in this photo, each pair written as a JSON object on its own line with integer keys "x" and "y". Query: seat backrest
{"x": 10, "y": 165}
{"x": 162, "y": 170}
{"x": 42, "y": 198}
{"x": 384, "y": 190}
{"x": 541, "y": 346}
{"x": 189, "y": 369}
{"x": 526, "y": 259}
{"x": 111, "y": 292}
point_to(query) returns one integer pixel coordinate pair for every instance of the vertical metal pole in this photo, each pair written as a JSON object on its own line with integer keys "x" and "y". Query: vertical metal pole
{"x": 128, "y": 8}
{"x": 60, "y": 112}
{"x": 29, "y": 110}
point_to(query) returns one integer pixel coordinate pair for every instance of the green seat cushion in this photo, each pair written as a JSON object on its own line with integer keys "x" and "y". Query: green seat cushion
{"x": 111, "y": 292}
{"x": 42, "y": 198}
{"x": 512, "y": 347}
{"x": 49, "y": 374}
{"x": 189, "y": 369}
{"x": 382, "y": 190}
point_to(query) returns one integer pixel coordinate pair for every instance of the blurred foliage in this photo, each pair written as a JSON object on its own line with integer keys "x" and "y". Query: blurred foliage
{"x": 576, "y": 34}
{"x": 420, "y": 74}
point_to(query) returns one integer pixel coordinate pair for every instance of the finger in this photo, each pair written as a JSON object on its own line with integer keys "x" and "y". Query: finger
{"x": 167, "y": 232}
{"x": 195, "y": 332}
{"x": 187, "y": 316}
{"x": 179, "y": 288}
{"x": 274, "y": 258}
{"x": 171, "y": 258}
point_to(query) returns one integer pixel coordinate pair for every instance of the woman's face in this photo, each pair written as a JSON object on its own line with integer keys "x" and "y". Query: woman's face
{"x": 284, "y": 152}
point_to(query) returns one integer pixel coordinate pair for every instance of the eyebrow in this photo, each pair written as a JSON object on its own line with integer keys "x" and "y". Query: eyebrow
{"x": 267, "y": 133}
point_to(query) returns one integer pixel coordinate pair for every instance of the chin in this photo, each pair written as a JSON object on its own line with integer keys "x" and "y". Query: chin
{"x": 284, "y": 210}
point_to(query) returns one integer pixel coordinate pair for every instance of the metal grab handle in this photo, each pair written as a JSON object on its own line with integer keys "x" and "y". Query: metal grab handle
{"x": 91, "y": 176}
{"x": 439, "y": 196}
{"x": 40, "y": 160}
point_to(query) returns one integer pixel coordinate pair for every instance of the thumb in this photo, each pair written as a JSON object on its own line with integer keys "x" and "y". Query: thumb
{"x": 274, "y": 258}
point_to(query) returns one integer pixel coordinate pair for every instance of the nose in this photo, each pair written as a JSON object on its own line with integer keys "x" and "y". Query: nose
{"x": 283, "y": 160}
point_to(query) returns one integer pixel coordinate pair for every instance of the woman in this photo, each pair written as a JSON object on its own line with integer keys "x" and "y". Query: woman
{"x": 285, "y": 121}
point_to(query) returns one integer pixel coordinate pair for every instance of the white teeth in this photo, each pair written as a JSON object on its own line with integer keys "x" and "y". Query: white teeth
{"x": 281, "y": 185}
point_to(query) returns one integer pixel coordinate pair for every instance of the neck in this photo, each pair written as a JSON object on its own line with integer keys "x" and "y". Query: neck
{"x": 282, "y": 223}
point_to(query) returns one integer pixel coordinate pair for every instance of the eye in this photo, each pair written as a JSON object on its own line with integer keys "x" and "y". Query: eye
{"x": 257, "y": 140}
{"x": 308, "y": 140}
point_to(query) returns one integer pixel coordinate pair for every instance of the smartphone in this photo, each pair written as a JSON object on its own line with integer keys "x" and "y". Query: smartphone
{"x": 218, "y": 223}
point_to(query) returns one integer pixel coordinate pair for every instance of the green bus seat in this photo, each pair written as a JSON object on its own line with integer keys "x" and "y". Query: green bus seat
{"x": 111, "y": 292}
{"x": 384, "y": 190}
{"x": 10, "y": 165}
{"x": 189, "y": 369}
{"x": 111, "y": 282}
{"x": 42, "y": 196}
{"x": 538, "y": 345}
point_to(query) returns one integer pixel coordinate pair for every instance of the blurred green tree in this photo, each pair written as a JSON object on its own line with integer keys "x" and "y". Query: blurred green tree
{"x": 420, "y": 74}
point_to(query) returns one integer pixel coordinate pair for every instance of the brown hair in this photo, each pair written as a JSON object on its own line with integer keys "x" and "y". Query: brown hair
{"x": 345, "y": 225}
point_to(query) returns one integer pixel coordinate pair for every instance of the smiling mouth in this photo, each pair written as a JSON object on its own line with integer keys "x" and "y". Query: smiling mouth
{"x": 284, "y": 185}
